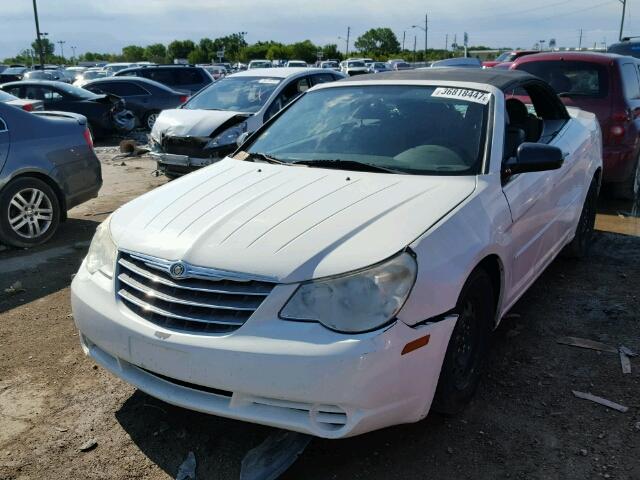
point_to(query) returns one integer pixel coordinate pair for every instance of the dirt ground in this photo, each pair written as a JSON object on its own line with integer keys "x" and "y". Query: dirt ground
{"x": 523, "y": 424}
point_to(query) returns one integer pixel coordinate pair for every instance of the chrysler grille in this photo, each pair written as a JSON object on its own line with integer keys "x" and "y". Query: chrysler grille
{"x": 201, "y": 300}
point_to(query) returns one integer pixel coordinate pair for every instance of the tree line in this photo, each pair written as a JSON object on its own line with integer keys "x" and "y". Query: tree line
{"x": 377, "y": 43}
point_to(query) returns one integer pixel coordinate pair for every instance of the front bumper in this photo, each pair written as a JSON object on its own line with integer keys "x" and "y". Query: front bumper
{"x": 291, "y": 375}
{"x": 182, "y": 164}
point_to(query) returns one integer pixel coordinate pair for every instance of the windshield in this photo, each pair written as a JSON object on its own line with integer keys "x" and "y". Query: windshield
{"x": 504, "y": 57}
{"x": 579, "y": 79}
{"x": 630, "y": 49}
{"x": 14, "y": 71}
{"x": 410, "y": 129}
{"x": 330, "y": 65}
{"x": 355, "y": 64}
{"x": 240, "y": 94}
{"x": 260, "y": 65}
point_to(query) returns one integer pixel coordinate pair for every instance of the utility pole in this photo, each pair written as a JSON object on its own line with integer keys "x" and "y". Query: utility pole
{"x": 580, "y": 41}
{"x": 348, "y": 36}
{"x": 426, "y": 35}
{"x": 415, "y": 45}
{"x": 404, "y": 34}
{"x": 624, "y": 8}
{"x": 61, "y": 42}
{"x": 38, "y": 39}
{"x": 446, "y": 42}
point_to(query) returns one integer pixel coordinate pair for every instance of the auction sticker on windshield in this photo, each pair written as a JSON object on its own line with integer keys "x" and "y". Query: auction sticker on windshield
{"x": 475, "y": 96}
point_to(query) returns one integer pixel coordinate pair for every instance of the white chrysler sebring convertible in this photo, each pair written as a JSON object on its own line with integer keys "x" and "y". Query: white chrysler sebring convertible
{"x": 344, "y": 269}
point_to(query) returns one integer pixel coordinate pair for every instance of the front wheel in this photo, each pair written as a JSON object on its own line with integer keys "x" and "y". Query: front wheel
{"x": 469, "y": 343}
{"x": 29, "y": 213}
{"x": 149, "y": 120}
{"x": 581, "y": 243}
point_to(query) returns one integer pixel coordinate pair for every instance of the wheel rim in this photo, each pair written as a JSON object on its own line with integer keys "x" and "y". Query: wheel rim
{"x": 151, "y": 120}
{"x": 465, "y": 338}
{"x": 30, "y": 213}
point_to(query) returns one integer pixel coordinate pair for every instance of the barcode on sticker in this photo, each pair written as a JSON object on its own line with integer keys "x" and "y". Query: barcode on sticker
{"x": 475, "y": 96}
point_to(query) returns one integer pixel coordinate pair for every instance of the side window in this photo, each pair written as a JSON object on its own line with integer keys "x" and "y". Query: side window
{"x": 51, "y": 95}
{"x": 33, "y": 93}
{"x": 322, "y": 78}
{"x": 630, "y": 81}
{"x": 290, "y": 92}
{"x": 188, "y": 76}
{"x": 122, "y": 89}
{"x": 15, "y": 91}
{"x": 162, "y": 75}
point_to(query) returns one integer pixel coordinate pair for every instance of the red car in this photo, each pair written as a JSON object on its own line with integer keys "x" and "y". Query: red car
{"x": 609, "y": 86}
{"x": 510, "y": 56}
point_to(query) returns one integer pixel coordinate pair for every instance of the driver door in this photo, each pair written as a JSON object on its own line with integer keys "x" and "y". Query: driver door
{"x": 533, "y": 199}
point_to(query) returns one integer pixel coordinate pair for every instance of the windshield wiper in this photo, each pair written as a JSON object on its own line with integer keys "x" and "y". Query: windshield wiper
{"x": 263, "y": 157}
{"x": 348, "y": 165}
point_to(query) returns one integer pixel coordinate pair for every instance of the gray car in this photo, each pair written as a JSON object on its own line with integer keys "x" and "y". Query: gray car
{"x": 47, "y": 166}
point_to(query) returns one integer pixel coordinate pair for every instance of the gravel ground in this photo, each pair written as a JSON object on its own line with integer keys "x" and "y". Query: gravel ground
{"x": 524, "y": 422}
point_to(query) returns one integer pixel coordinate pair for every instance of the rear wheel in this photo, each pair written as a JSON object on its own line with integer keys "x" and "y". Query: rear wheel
{"x": 468, "y": 345}
{"x": 29, "y": 213}
{"x": 581, "y": 243}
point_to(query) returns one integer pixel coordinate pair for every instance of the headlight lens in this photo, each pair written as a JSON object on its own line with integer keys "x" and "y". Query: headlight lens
{"x": 228, "y": 137}
{"x": 102, "y": 252}
{"x": 357, "y": 302}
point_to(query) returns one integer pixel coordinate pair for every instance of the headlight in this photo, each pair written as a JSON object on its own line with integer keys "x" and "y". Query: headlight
{"x": 356, "y": 302}
{"x": 102, "y": 252}
{"x": 228, "y": 137}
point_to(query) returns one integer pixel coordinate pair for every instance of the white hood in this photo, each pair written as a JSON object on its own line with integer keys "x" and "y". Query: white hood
{"x": 192, "y": 123}
{"x": 286, "y": 222}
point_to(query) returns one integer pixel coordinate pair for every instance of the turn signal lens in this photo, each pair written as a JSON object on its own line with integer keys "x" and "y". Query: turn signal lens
{"x": 28, "y": 107}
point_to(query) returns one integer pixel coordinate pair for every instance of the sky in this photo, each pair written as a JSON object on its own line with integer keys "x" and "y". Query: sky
{"x": 107, "y": 26}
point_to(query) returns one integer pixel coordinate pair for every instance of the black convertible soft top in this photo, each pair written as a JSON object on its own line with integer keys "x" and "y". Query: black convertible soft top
{"x": 499, "y": 78}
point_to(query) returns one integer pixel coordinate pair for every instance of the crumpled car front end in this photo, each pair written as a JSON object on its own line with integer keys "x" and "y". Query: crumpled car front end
{"x": 184, "y": 140}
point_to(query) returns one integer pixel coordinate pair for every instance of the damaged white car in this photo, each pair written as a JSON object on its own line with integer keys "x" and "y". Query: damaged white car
{"x": 205, "y": 129}
{"x": 344, "y": 270}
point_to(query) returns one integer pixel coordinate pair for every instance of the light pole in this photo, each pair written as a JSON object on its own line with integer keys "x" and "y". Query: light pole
{"x": 73, "y": 49}
{"x": 404, "y": 35}
{"x": 61, "y": 43}
{"x": 425, "y": 29}
{"x": 624, "y": 8}
{"x": 346, "y": 52}
{"x": 38, "y": 39}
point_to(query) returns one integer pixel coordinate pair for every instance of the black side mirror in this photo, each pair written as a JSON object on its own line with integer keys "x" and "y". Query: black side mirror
{"x": 534, "y": 157}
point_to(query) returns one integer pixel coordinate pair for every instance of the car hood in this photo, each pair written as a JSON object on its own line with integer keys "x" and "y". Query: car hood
{"x": 194, "y": 123}
{"x": 288, "y": 223}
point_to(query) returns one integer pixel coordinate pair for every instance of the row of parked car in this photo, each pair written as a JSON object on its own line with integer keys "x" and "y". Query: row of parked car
{"x": 189, "y": 132}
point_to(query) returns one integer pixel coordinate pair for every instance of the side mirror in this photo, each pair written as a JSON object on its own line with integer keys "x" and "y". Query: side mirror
{"x": 242, "y": 138}
{"x": 534, "y": 157}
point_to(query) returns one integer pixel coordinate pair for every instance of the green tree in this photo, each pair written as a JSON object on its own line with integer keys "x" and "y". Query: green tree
{"x": 278, "y": 51}
{"x": 378, "y": 42}
{"x": 48, "y": 48}
{"x": 256, "y": 51}
{"x": 306, "y": 51}
{"x": 156, "y": 53}
{"x": 179, "y": 49}
{"x": 198, "y": 55}
{"x": 233, "y": 45}
{"x": 331, "y": 52}
{"x": 133, "y": 53}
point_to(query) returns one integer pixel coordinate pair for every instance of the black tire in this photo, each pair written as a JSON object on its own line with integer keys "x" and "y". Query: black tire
{"x": 581, "y": 243}
{"x": 147, "y": 119}
{"x": 630, "y": 189}
{"x": 468, "y": 346}
{"x": 46, "y": 215}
